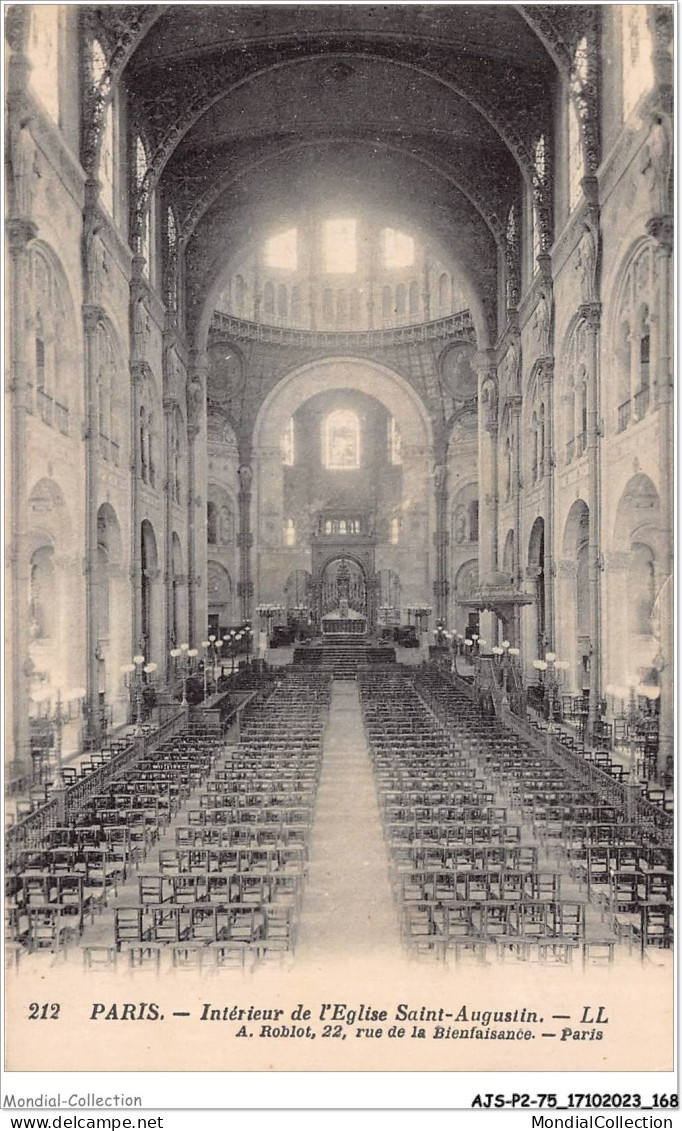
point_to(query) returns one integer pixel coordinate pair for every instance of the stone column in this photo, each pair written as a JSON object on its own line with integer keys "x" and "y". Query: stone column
{"x": 546, "y": 385}
{"x": 441, "y": 539}
{"x": 170, "y": 406}
{"x": 245, "y": 542}
{"x": 488, "y": 489}
{"x": 92, "y": 316}
{"x": 661, "y": 230}
{"x": 514, "y": 401}
{"x": 591, "y": 312}
{"x": 19, "y": 234}
{"x": 196, "y": 520}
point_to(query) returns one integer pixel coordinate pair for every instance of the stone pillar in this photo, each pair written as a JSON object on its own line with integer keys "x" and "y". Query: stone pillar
{"x": 170, "y": 405}
{"x": 514, "y": 401}
{"x": 92, "y": 316}
{"x": 591, "y": 312}
{"x": 196, "y": 520}
{"x": 546, "y": 385}
{"x": 19, "y": 234}
{"x": 487, "y": 477}
{"x": 245, "y": 542}
{"x": 441, "y": 540}
{"x": 661, "y": 230}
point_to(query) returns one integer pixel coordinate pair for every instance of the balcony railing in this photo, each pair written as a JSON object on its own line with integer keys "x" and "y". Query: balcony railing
{"x": 458, "y": 325}
{"x": 624, "y": 411}
{"x": 642, "y": 400}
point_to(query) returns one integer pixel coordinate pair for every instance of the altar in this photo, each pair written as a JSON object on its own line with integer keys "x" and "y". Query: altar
{"x": 344, "y": 621}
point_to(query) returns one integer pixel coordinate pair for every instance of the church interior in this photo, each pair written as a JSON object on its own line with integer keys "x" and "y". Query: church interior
{"x": 340, "y": 503}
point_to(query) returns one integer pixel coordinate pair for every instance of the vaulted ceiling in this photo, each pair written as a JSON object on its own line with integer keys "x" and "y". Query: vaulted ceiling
{"x": 253, "y": 112}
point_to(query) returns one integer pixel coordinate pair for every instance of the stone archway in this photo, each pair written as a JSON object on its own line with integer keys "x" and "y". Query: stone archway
{"x": 400, "y": 400}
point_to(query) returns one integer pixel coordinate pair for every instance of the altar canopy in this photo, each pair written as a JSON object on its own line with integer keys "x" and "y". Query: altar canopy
{"x": 343, "y": 599}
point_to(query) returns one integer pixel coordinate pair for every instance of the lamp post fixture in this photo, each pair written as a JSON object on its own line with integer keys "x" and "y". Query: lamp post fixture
{"x": 59, "y": 715}
{"x": 206, "y": 644}
{"x": 183, "y": 658}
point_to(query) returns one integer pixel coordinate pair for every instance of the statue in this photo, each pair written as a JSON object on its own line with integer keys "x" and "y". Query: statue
{"x": 655, "y": 168}
{"x": 586, "y": 266}
{"x": 460, "y": 524}
{"x": 195, "y": 399}
{"x": 245, "y": 476}
{"x": 542, "y": 324}
{"x": 489, "y": 403}
{"x": 511, "y": 367}
{"x": 140, "y": 329}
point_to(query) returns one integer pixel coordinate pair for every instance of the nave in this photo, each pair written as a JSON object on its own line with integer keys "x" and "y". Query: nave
{"x": 275, "y": 848}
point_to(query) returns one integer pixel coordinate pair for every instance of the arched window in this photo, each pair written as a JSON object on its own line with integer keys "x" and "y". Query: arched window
{"x": 386, "y": 304}
{"x": 508, "y": 468}
{"x": 295, "y": 305}
{"x": 239, "y": 290}
{"x": 288, "y": 444}
{"x": 638, "y": 69}
{"x": 290, "y": 532}
{"x": 341, "y": 441}
{"x": 211, "y": 524}
{"x": 354, "y": 309}
{"x": 394, "y": 532}
{"x": 341, "y": 308}
{"x": 401, "y": 300}
{"x": 443, "y": 294}
{"x": 269, "y": 298}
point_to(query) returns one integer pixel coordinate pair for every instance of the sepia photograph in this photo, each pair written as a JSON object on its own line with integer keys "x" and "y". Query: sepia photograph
{"x": 339, "y": 541}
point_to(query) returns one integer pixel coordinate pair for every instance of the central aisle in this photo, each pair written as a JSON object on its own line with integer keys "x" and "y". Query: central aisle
{"x": 347, "y": 906}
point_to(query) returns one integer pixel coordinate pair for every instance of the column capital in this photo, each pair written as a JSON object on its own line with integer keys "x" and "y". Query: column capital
{"x": 591, "y": 312}
{"x": 662, "y": 230}
{"x": 92, "y": 316}
{"x": 20, "y": 232}
{"x": 140, "y": 371}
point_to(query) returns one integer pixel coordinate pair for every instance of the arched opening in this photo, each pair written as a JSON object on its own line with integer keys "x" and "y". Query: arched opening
{"x": 149, "y": 564}
{"x": 636, "y": 581}
{"x": 220, "y": 598}
{"x": 536, "y": 576}
{"x": 573, "y": 600}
